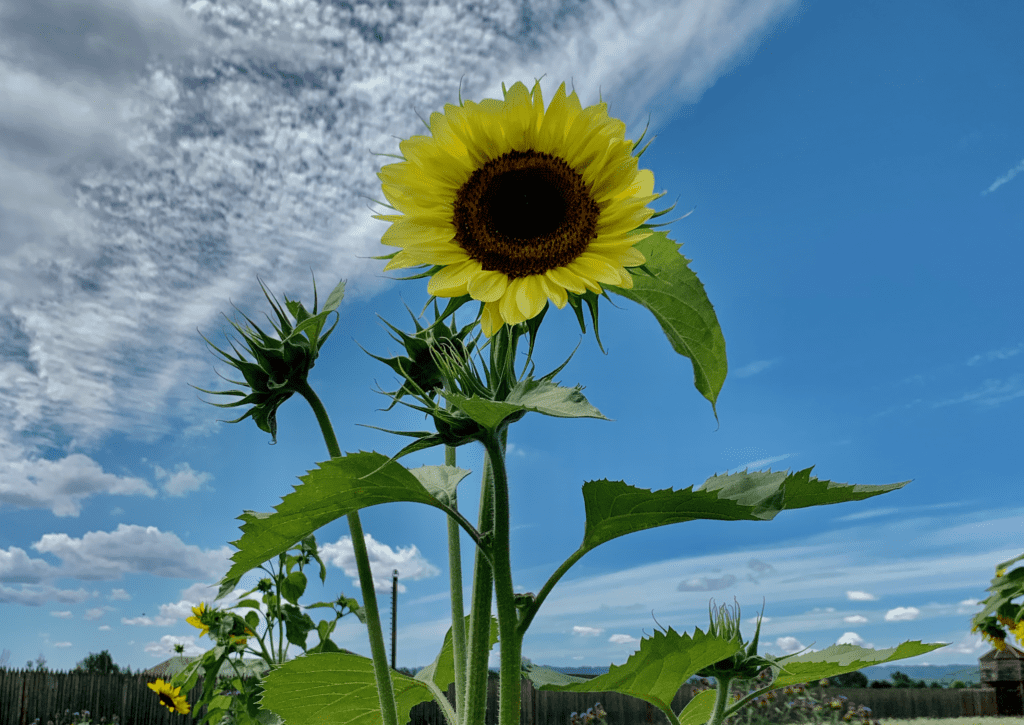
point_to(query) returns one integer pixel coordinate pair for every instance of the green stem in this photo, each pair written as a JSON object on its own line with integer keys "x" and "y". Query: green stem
{"x": 474, "y": 709}
{"x": 718, "y": 715}
{"x": 510, "y": 693}
{"x": 458, "y": 612}
{"x": 381, "y": 671}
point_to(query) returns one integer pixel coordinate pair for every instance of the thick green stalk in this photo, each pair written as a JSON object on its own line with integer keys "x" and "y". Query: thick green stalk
{"x": 382, "y": 674}
{"x": 473, "y": 710}
{"x": 721, "y": 701}
{"x": 458, "y": 612}
{"x": 510, "y": 693}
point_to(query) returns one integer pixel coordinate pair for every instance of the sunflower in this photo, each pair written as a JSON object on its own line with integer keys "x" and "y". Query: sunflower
{"x": 196, "y": 619}
{"x": 169, "y": 696}
{"x": 517, "y": 206}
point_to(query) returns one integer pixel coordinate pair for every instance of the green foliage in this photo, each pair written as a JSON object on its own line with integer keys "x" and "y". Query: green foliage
{"x": 678, "y": 301}
{"x": 99, "y": 664}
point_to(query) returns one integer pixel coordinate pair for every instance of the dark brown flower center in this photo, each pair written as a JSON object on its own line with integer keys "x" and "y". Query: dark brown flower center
{"x": 524, "y": 213}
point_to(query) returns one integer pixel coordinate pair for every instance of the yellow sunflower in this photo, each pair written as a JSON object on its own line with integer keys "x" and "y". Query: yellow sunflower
{"x": 196, "y": 619}
{"x": 169, "y": 696}
{"x": 517, "y": 205}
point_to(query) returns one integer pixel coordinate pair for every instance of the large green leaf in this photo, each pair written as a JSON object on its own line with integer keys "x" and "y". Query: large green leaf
{"x": 830, "y": 662}
{"x": 656, "y": 671}
{"x": 337, "y": 488}
{"x": 538, "y": 396}
{"x": 615, "y": 509}
{"x": 678, "y": 301}
{"x": 340, "y": 689}
{"x": 335, "y": 688}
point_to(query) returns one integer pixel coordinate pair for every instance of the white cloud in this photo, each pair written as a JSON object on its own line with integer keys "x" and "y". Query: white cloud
{"x": 99, "y": 555}
{"x": 759, "y": 464}
{"x": 62, "y": 644}
{"x": 860, "y": 597}
{"x": 587, "y": 631}
{"x": 169, "y": 144}
{"x": 993, "y": 355}
{"x": 104, "y": 627}
{"x": 753, "y": 368}
{"x": 61, "y": 485}
{"x": 854, "y": 639}
{"x": 855, "y": 619}
{"x": 183, "y": 480}
{"x": 165, "y": 647}
{"x": 148, "y": 621}
{"x": 383, "y": 560}
{"x": 623, "y": 639}
{"x": 991, "y": 393}
{"x": 33, "y": 595}
{"x": 118, "y": 594}
{"x": 92, "y": 614}
{"x": 1004, "y": 178}
{"x": 61, "y": 615}
{"x": 16, "y": 566}
{"x": 902, "y": 614}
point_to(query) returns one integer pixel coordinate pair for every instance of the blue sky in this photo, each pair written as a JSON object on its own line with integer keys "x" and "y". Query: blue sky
{"x": 858, "y": 225}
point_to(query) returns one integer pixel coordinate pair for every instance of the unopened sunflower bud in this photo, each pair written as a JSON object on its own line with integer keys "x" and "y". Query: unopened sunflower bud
{"x": 282, "y": 364}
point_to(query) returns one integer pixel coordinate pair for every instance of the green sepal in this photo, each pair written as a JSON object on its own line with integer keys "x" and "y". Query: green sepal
{"x": 337, "y": 488}
{"x": 678, "y": 301}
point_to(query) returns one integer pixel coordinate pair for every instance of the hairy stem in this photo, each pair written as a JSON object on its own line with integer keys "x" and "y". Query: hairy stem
{"x": 382, "y": 674}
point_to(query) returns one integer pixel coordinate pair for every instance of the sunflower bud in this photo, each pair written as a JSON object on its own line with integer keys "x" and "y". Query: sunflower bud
{"x": 745, "y": 664}
{"x": 427, "y": 350}
{"x": 282, "y": 364}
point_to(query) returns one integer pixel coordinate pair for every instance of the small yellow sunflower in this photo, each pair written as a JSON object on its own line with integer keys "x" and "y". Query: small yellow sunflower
{"x": 169, "y": 696}
{"x": 196, "y": 620}
{"x": 516, "y": 205}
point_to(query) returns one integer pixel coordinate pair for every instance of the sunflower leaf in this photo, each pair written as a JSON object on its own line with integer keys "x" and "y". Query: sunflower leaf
{"x": 614, "y": 509}
{"x": 337, "y": 488}
{"x": 335, "y": 688}
{"x": 656, "y": 671}
{"x": 529, "y": 395}
{"x": 678, "y": 301}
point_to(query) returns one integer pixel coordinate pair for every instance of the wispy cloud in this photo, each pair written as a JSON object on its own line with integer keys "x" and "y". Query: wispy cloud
{"x": 991, "y": 393}
{"x": 1004, "y": 178}
{"x": 993, "y": 355}
{"x": 141, "y": 161}
{"x": 753, "y": 368}
{"x": 759, "y": 463}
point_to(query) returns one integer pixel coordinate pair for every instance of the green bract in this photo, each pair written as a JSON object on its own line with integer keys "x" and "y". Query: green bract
{"x": 282, "y": 363}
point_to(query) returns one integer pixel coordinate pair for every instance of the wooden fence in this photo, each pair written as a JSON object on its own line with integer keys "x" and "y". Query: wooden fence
{"x": 25, "y": 696}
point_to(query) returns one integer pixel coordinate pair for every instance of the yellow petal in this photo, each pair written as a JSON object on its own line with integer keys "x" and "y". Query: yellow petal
{"x": 530, "y": 297}
{"x": 594, "y": 267}
{"x": 488, "y": 286}
{"x": 510, "y": 311}
{"x": 566, "y": 279}
{"x": 556, "y": 293}
{"x": 490, "y": 319}
{"x": 407, "y": 232}
{"x": 453, "y": 280}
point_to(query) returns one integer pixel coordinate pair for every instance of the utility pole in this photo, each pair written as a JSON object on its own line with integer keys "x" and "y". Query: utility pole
{"x": 394, "y": 612}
